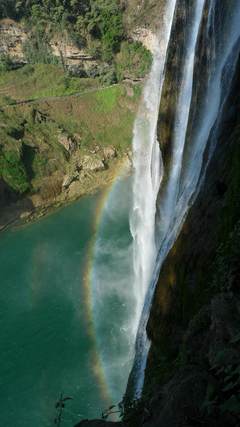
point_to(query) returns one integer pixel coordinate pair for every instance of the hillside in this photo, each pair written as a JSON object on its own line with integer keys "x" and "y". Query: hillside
{"x": 60, "y": 146}
{"x": 70, "y": 82}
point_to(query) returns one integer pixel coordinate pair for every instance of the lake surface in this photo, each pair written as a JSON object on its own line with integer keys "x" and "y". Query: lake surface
{"x": 65, "y": 311}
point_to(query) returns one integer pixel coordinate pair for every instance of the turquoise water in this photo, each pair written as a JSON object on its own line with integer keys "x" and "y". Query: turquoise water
{"x": 48, "y": 343}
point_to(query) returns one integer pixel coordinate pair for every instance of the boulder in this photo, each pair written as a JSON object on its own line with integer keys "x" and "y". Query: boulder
{"x": 67, "y": 142}
{"x": 69, "y": 178}
{"x": 109, "y": 153}
{"x": 93, "y": 164}
{"x": 25, "y": 215}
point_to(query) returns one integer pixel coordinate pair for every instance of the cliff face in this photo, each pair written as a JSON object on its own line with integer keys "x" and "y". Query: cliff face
{"x": 13, "y": 37}
{"x": 143, "y": 13}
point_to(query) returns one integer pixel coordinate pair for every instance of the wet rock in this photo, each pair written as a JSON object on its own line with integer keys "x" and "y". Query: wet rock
{"x": 180, "y": 399}
{"x": 25, "y": 215}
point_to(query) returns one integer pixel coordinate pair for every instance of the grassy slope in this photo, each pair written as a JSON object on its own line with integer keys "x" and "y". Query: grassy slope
{"x": 29, "y": 149}
{"x": 38, "y": 81}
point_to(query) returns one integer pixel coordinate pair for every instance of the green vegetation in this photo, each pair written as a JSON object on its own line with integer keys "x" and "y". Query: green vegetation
{"x": 107, "y": 99}
{"x": 30, "y": 150}
{"x": 103, "y": 117}
{"x": 6, "y": 63}
{"x": 86, "y": 21}
{"x": 95, "y": 25}
{"x": 11, "y": 167}
{"x": 8, "y": 8}
{"x": 41, "y": 80}
{"x": 36, "y": 48}
{"x": 133, "y": 61}
{"x": 13, "y": 171}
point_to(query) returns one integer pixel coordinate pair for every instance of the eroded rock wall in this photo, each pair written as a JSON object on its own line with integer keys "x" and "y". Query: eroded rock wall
{"x": 13, "y": 36}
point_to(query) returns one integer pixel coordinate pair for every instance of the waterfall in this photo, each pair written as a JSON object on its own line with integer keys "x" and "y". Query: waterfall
{"x": 148, "y": 170}
{"x": 160, "y": 208}
{"x": 181, "y": 124}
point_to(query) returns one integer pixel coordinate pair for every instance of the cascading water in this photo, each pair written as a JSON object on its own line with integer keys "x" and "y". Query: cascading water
{"x": 148, "y": 170}
{"x": 148, "y": 173}
{"x": 160, "y": 209}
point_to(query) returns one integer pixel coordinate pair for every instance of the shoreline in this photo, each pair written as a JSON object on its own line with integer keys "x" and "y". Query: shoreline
{"x": 24, "y": 216}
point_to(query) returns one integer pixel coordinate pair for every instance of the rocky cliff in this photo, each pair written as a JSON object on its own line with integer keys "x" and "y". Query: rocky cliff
{"x": 14, "y": 36}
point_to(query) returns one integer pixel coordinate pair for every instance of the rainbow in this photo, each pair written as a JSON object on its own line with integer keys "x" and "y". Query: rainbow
{"x": 97, "y": 365}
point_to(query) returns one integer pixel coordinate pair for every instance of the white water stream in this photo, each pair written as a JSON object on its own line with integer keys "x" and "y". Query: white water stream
{"x": 148, "y": 170}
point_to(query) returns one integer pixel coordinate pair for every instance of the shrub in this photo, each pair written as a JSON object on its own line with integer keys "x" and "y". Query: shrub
{"x": 6, "y": 63}
{"x": 105, "y": 23}
{"x": 107, "y": 75}
{"x": 13, "y": 171}
{"x": 37, "y": 49}
{"x": 7, "y": 8}
{"x": 133, "y": 61}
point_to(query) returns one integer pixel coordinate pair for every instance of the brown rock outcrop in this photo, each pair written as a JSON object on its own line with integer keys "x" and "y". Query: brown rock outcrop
{"x": 12, "y": 38}
{"x": 13, "y": 35}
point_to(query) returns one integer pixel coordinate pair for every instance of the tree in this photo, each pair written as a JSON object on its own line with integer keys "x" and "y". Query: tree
{"x": 105, "y": 22}
{"x": 7, "y": 9}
